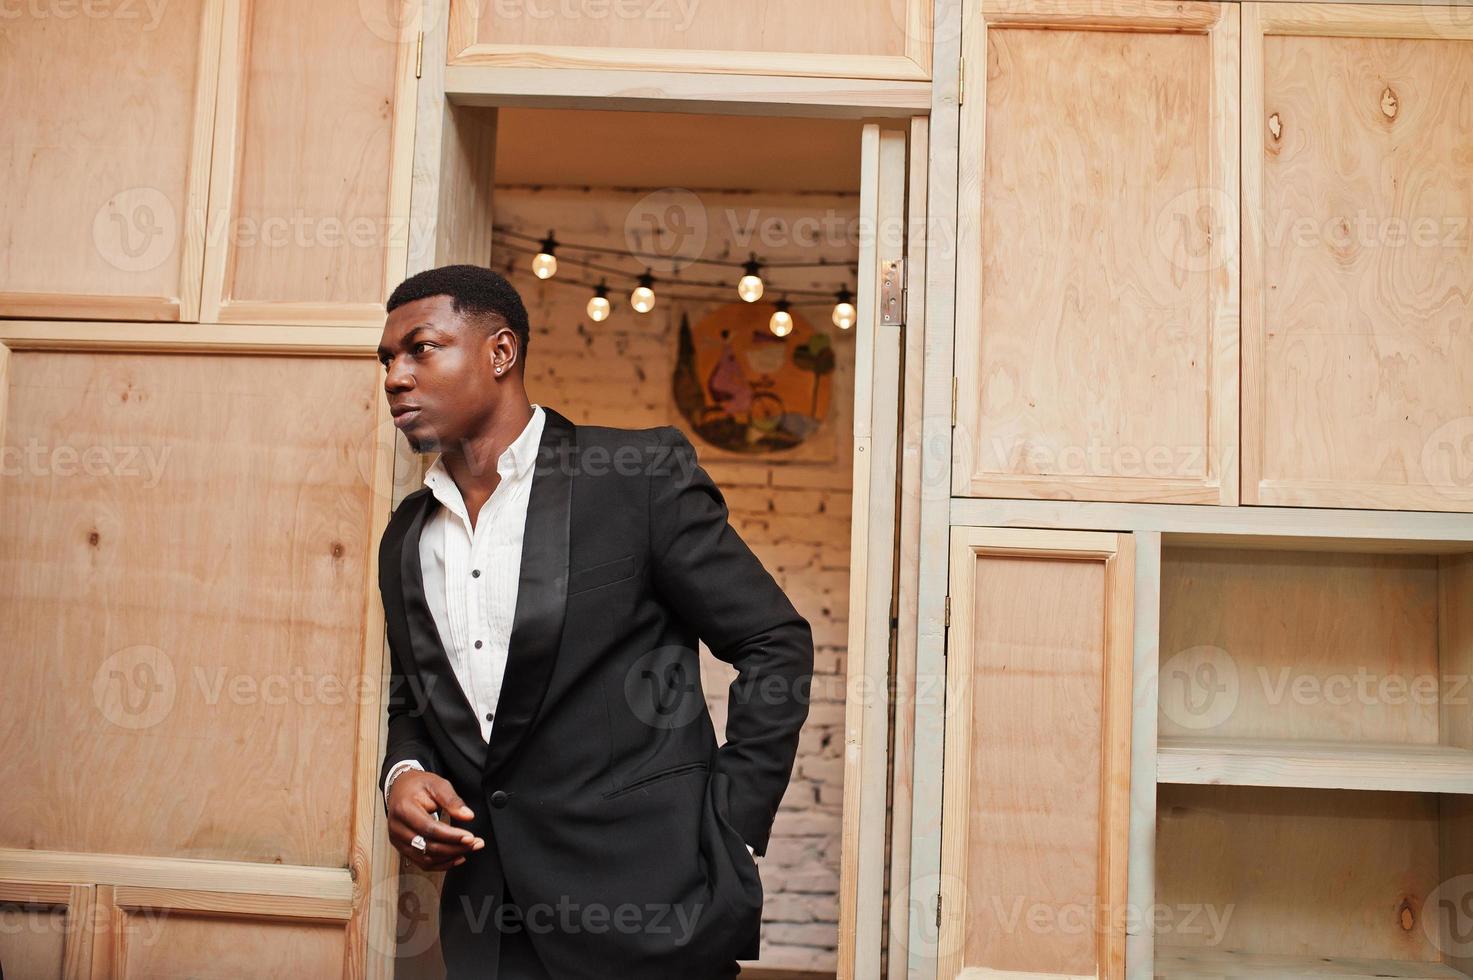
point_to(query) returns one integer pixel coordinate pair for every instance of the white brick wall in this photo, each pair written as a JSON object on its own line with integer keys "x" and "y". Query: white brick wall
{"x": 794, "y": 516}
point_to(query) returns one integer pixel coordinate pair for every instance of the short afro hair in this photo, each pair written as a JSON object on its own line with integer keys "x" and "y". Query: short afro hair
{"x": 474, "y": 291}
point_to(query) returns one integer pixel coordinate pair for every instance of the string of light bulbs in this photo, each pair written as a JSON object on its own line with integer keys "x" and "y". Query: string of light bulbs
{"x": 817, "y": 263}
{"x": 642, "y": 298}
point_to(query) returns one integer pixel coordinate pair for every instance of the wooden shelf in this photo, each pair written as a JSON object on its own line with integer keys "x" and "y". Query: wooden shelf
{"x": 1314, "y": 765}
{"x": 1201, "y": 964}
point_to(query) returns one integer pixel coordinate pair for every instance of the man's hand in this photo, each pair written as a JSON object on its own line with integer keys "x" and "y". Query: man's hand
{"x": 413, "y": 800}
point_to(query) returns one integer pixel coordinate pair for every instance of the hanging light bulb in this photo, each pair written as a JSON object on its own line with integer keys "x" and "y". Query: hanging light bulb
{"x": 844, "y": 312}
{"x": 749, "y": 287}
{"x": 544, "y": 265}
{"x": 598, "y": 305}
{"x": 781, "y": 323}
{"x": 643, "y": 297}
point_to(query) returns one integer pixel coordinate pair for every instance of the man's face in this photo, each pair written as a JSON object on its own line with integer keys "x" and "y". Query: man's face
{"x": 439, "y": 374}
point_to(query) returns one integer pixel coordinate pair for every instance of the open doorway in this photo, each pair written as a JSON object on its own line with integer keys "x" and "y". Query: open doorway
{"x": 687, "y": 205}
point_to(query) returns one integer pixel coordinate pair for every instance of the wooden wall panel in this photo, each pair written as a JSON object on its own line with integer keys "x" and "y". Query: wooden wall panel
{"x": 184, "y": 570}
{"x": 1035, "y": 814}
{"x": 309, "y": 193}
{"x": 33, "y": 940}
{"x": 872, "y": 39}
{"x": 1358, "y": 319}
{"x": 43, "y": 929}
{"x": 104, "y": 157}
{"x": 1097, "y": 313}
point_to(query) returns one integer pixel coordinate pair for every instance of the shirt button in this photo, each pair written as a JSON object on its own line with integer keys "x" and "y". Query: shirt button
{"x": 490, "y": 715}
{"x": 478, "y": 644}
{"x": 476, "y": 573}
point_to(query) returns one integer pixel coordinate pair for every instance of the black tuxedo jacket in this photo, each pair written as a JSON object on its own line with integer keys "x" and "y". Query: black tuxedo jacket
{"x": 607, "y": 807}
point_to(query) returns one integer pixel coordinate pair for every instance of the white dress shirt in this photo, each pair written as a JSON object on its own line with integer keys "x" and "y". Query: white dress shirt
{"x": 471, "y": 575}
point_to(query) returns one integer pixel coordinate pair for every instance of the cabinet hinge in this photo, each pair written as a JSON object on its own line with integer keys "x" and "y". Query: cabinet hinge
{"x": 948, "y": 612}
{"x": 892, "y": 292}
{"x": 953, "y": 402}
{"x": 419, "y": 54}
{"x": 938, "y": 910}
{"x": 961, "y": 82}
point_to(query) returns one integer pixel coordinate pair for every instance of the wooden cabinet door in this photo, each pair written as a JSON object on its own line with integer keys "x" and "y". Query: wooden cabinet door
{"x": 1358, "y": 311}
{"x": 193, "y": 706}
{"x": 1035, "y": 806}
{"x": 104, "y": 157}
{"x": 1097, "y": 321}
{"x": 309, "y": 190}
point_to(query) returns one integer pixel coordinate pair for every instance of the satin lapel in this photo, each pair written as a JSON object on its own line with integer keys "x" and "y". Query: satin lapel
{"x": 446, "y": 695}
{"x": 542, "y": 591}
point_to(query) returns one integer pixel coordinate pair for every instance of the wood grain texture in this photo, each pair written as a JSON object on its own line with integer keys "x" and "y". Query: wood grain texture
{"x": 934, "y": 436}
{"x": 1456, "y": 622}
{"x": 1036, "y": 810}
{"x": 1358, "y": 323}
{"x": 1299, "y": 645}
{"x": 314, "y": 138}
{"x": 1276, "y": 527}
{"x": 103, "y": 167}
{"x": 182, "y": 945}
{"x": 908, "y": 695}
{"x": 888, "y": 39}
{"x": 1455, "y": 644}
{"x": 32, "y": 940}
{"x": 1097, "y": 330}
{"x": 193, "y": 627}
{"x": 1315, "y": 765}
{"x": 671, "y": 91}
{"x": 1204, "y": 964}
{"x": 1292, "y": 872}
{"x": 1141, "y": 872}
{"x": 872, "y": 550}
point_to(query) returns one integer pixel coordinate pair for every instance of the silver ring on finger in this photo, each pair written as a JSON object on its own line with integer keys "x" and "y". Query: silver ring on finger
{"x": 418, "y": 843}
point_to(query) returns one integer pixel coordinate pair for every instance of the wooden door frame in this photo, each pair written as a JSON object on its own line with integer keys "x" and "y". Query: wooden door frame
{"x": 448, "y": 138}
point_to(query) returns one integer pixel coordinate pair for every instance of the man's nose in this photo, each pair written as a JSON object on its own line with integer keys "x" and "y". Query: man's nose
{"x": 397, "y": 379}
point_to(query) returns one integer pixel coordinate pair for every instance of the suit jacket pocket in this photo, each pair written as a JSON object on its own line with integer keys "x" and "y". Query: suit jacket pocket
{"x": 605, "y": 573}
{"x": 644, "y": 781}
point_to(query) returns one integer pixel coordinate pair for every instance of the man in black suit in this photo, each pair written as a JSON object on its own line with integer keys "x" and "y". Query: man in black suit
{"x": 549, "y": 746}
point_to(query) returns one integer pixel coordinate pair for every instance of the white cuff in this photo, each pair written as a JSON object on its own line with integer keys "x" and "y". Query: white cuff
{"x": 398, "y": 770}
